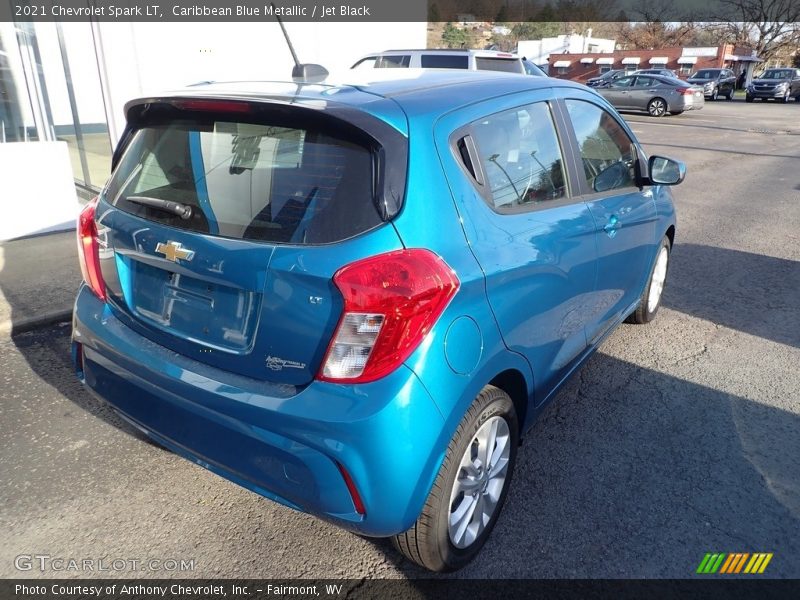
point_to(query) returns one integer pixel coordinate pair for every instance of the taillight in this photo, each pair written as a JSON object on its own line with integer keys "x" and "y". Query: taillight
{"x": 89, "y": 250}
{"x": 686, "y": 91}
{"x": 391, "y": 302}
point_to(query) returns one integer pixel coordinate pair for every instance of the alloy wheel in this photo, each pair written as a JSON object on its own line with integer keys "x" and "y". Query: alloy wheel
{"x": 479, "y": 482}
{"x": 657, "y": 107}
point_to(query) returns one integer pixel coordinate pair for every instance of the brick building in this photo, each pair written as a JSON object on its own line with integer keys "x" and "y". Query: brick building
{"x": 683, "y": 60}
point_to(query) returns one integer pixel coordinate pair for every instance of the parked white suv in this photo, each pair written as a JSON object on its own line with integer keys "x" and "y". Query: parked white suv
{"x": 473, "y": 60}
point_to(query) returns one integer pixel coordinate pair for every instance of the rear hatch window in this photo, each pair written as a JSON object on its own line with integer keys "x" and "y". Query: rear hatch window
{"x": 251, "y": 181}
{"x": 507, "y": 65}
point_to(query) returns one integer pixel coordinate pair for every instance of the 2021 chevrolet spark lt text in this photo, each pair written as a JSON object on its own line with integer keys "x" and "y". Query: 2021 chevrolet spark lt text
{"x": 353, "y": 299}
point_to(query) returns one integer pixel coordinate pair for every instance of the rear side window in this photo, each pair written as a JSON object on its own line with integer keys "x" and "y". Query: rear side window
{"x": 444, "y": 61}
{"x": 507, "y": 65}
{"x": 248, "y": 181}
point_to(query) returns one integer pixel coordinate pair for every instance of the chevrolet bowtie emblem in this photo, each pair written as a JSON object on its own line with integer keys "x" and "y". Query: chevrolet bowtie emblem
{"x": 174, "y": 251}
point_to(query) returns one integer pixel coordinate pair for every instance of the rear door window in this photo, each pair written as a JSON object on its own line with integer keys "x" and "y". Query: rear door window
{"x": 444, "y": 61}
{"x": 248, "y": 181}
{"x": 521, "y": 158}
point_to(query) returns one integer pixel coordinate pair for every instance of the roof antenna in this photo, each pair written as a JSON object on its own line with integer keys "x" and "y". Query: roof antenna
{"x": 301, "y": 72}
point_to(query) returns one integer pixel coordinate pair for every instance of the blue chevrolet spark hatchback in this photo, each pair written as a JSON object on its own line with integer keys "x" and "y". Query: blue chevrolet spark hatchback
{"x": 354, "y": 299}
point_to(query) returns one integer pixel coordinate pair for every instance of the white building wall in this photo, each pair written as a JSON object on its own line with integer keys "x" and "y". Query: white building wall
{"x": 144, "y": 58}
{"x": 539, "y": 51}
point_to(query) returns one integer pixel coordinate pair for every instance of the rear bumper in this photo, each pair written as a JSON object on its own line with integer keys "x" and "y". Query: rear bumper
{"x": 684, "y": 104}
{"x": 282, "y": 442}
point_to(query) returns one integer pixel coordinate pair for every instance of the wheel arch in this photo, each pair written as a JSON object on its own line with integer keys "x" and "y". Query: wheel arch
{"x": 670, "y": 233}
{"x": 513, "y": 383}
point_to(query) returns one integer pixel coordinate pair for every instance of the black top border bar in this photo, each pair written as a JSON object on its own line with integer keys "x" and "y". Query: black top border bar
{"x": 474, "y": 11}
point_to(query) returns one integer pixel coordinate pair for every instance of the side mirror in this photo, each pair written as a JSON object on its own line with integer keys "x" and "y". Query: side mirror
{"x": 309, "y": 73}
{"x": 665, "y": 171}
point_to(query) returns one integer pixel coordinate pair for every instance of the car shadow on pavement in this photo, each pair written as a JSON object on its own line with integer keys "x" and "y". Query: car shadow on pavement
{"x": 633, "y": 473}
{"x": 751, "y": 293}
{"x": 47, "y": 352}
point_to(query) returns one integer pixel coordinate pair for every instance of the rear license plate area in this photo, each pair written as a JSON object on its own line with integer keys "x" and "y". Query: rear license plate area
{"x": 190, "y": 307}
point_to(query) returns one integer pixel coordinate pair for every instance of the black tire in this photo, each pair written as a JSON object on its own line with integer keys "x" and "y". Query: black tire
{"x": 644, "y": 313}
{"x": 657, "y": 107}
{"x": 748, "y": 98}
{"x": 428, "y": 542}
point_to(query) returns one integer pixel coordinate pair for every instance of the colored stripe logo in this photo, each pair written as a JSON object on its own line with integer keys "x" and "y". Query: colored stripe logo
{"x": 734, "y": 562}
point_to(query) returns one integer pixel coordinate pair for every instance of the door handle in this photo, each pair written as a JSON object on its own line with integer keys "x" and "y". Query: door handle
{"x": 611, "y": 227}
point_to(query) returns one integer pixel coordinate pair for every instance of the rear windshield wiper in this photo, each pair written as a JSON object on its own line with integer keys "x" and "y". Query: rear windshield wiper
{"x": 184, "y": 211}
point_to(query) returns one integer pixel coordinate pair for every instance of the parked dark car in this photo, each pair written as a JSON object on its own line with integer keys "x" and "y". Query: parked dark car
{"x": 782, "y": 83}
{"x": 606, "y": 78}
{"x": 664, "y": 72}
{"x": 654, "y": 94}
{"x": 715, "y": 82}
{"x": 354, "y": 297}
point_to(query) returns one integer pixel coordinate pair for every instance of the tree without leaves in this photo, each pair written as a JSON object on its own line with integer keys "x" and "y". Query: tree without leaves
{"x": 768, "y": 26}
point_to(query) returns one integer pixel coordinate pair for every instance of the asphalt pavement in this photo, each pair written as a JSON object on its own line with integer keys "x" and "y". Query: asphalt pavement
{"x": 678, "y": 438}
{"x": 39, "y": 276}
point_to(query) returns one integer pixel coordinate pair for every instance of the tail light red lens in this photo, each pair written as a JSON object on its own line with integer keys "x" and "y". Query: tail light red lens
{"x": 391, "y": 302}
{"x": 685, "y": 91}
{"x": 89, "y": 250}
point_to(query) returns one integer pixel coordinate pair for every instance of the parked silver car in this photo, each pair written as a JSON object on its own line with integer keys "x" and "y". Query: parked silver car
{"x": 653, "y": 94}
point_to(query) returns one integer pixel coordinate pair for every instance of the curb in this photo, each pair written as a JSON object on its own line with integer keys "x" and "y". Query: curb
{"x": 12, "y": 328}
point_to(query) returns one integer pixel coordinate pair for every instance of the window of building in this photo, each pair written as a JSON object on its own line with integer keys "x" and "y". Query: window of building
{"x": 562, "y": 70}
{"x": 605, "y": 69}
{"x": 50, "y": 90}
{"x": 521, "y": 157}
{"x": 606, "y": 150}
{"x": 686, "y": 69}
